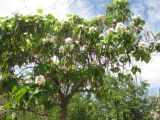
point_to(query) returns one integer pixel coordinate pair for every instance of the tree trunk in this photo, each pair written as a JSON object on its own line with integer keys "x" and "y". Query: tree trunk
{"x": 63, "y": 110}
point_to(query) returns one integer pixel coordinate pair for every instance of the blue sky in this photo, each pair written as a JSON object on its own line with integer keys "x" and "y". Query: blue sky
{"x": 147, "y": 9}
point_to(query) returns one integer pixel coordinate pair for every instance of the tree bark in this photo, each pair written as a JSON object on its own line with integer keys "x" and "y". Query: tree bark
{"x": 63, "y": 110}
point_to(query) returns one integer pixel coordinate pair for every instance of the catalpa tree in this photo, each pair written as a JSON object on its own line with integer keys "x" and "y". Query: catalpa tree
{"x": 66, "y": 57}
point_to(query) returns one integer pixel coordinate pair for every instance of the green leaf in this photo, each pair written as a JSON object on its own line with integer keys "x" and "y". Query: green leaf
{"x": 20, "y": 93}
{"x": 69, "y": 15}
{"x": 7, "y": 106}
{"x": 142, "y": 22}
{"x": 40, "y": 11}
{"x": 135, "y": 69}
{"x": 14, "y": 89}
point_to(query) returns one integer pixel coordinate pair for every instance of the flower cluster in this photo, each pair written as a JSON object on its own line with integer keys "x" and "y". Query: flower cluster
{"x": 49, "y": 39}
{"x": 27, "y": 79}
{"x": 40, "y": 80}
{"x": 68, "y": 40}
{"x": 120, "y": 26}
{"x": 55, "y": 59}
{"x": 92, "y": 29}
{"x": 82, "y": 48}
{"x": 143, "y": 45}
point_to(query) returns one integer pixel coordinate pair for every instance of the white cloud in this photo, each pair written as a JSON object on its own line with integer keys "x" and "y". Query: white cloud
{"x": 149, "y": 10}
{"x": 151, "y": 71}
{"x": 59, "y": 8}
{"x": 153, "y": 21}
{"x": 84, "y": 8}
{"x": 138, "y": 8}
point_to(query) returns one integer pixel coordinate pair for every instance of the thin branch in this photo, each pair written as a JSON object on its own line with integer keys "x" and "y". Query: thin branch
{"x": 23, "y": 70}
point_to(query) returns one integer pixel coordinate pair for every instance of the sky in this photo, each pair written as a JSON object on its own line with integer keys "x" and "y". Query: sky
{"x": 147, "y": 9}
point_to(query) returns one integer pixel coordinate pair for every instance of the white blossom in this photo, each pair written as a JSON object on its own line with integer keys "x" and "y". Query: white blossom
{"x": 114, "y": 20}
{"x": 49, "y": 39}
{"x": 135, "y": 17}
{"x": 28, "y": 81}
{"x": 1, "y": 107}
{"x": 40, "y": 80}
{"x": 101, "y": 35}
{"x": 28, "y": 41}
{"x": 110, "y": 30}
{"x": 77, "y": 41}
{"x": 92, "y": 29}
{"x": 55, "y": 59}
{"x": 82, "y": 48}
{"x": 143, "y": 44}
{"x": 120, "y": 26}
{"x": 68, "y": 40}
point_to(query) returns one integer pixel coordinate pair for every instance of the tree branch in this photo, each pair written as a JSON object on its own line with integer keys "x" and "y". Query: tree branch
{"x": 23, "y": 70}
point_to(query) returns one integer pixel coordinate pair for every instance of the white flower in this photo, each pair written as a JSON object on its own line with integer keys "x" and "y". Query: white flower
{"x": 82, "y": 48}
{"x": 101, "y": 35}
{"x": 143, "y": 44}
{"x": 40, "y": 80}
{"x": 110, "y": 30}
{"x": 28, "y": 41}
{"x": 114, "y": 20}
{"x": 68, "y": 40}
{"x": 25, "y": 33}
{"x": 1, "y": 107}
{"x": 92, "y": 29}
{"x": 50, "y": 39}
{"x": 135, "y": 17}
{"x": 77, "y": 41}
{"x": 55, "y": 59}
{"x": 103, "y": 46}
{"x": 28, "y": 81}
{"x": 80, "y": 26}
{"x": 120, "y": 26}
